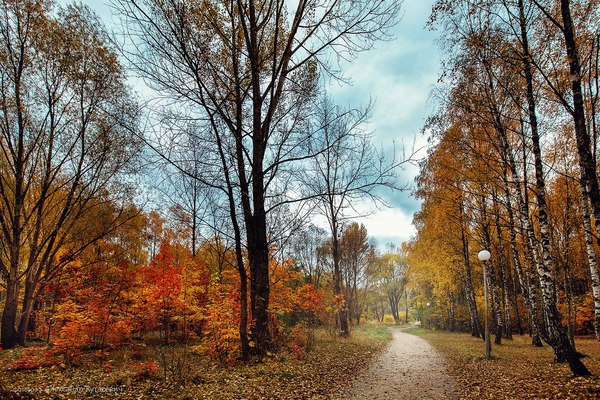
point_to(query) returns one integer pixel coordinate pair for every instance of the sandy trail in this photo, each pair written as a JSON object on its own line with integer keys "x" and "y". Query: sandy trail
{"x": 408, "y": 369}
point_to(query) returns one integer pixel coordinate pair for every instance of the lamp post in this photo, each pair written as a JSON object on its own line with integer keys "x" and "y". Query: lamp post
{"x": 485, "y": 255}
{"x": 429, "y": 314}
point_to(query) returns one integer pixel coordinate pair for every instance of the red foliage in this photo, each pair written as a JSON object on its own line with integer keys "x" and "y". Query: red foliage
{"x": 25, "y": 363}
{"x": 144, "y": 370}
{"x": 222, "y": 323}
{"x": 160, "y": 299}
{"x": 37, "y": 357}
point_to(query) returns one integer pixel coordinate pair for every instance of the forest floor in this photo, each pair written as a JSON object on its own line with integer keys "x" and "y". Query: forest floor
{"x": 368, "y": 365}
{"x": 322, "y": 373}
{"x": 517, "y": 370}
{"x": 409, "y": 368}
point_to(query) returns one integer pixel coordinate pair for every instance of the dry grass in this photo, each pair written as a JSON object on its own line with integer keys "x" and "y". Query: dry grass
{"x": 517, "y": 369}
{"x": 320, "y": 374}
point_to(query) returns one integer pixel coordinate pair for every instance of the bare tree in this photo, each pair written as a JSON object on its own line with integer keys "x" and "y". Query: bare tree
{"x": 305, "y": 250}
{"x": 348, "y": 171}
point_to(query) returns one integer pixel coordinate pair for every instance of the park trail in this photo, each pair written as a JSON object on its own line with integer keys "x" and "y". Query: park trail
{"x": 409, "y": 368}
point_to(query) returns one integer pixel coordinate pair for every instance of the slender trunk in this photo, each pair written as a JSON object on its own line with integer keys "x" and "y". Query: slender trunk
{"x": 531, "y": 258}
{"x": 591, "y": 255}
{"x": 568, "y": 285}
{"x": 243, "y": 325}
{"x": 502, "y": 272}
{"x": 491, "y": 280}
{"x": 405, "y": 305}
{"x": 558, "y": 338}
{"x": 516, "y": 276}
{"x": 526, "y": 230}
{"x": 469, "y": 291}
{"x": 586, "y": 159}
{"x": 498, "y": 312}
{"x": 451, "y": 318}
{"x": 27, "y": 308}
{"x": 342, "y": 315}
{"x": 394, "y": 307}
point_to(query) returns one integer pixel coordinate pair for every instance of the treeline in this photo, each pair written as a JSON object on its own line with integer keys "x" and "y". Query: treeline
{"x": 232, "y": 142}
{"x": 512, "y": 169}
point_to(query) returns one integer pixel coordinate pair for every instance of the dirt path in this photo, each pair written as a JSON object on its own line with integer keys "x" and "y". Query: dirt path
{"x": 408, "y": 369}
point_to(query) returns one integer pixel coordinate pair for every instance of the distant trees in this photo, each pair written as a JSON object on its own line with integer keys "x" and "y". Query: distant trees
{"x": 63, "y": 148}
{"x": 391, "y": 275}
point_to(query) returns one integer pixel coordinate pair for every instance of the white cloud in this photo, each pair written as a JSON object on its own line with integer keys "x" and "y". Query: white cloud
{"x": 399, "y": 75}
{"x": 391, "y": 225}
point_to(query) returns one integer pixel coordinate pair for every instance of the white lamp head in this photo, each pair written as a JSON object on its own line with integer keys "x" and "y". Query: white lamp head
{"x": 484, "y": 255}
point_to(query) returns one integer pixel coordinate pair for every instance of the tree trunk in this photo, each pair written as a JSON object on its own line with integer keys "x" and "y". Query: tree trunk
{"x": 586, "y": 159}
{"x": 591, "y": 255}
{"x": 558, "y": 338}
{"x": 527, "y": 230}
{"x": 258, "y": 257}
{"x": 405, "y": 305}
{"x": 9, "y": 315}
{"x": 469, "y": 291}
{"x": 491, "y": 279}
{"x": 502, "y": 271}
{"x": 342, "y": 316}
{"x": 516, "y": 276}
{"x": 394, "y": 308}
{"x": 451, "y": 317}
{"x": 27, "y": 308}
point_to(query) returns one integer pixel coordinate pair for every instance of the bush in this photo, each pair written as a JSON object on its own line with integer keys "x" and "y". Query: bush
{"x": 144, "y": 370}
{"x": 36, "y": 357}
{"x": 388, "y": 319}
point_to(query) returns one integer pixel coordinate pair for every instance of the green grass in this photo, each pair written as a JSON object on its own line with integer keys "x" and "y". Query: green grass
{"x": 373, "y": 332}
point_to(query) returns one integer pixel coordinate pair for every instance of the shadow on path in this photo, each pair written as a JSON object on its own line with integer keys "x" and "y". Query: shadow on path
{"x": 409, "y": 368}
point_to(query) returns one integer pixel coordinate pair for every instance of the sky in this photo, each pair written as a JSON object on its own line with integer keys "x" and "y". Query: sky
{"x": 398, "y": 75}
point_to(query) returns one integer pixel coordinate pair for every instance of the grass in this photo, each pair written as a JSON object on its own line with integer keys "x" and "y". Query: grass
{"x": 320, "y": 374}
{"x": 372, "y": 332}
{"x": 517, "y": 370}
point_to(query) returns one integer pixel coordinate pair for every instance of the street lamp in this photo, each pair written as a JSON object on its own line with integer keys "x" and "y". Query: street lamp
{"x": 429, "y": 314}
{"x": 485, "y": 255}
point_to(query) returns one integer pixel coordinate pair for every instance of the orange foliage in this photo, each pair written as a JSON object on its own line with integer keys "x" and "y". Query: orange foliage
{"x": 104, "y": 304}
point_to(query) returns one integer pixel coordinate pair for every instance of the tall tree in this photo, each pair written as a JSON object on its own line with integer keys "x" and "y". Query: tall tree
{"x": 63, "y": 145}
{"x": 356, "y": 259}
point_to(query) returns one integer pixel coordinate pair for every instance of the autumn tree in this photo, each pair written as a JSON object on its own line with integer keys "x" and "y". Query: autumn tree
{"x": 490, "y": 35}
{"x": 357, "y": 256}
{"x": 64, "y": 147}
{"x": 392, "y": 277}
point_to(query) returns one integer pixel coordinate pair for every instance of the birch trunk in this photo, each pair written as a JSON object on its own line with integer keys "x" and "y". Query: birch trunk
{"x": 591, "y": 255}
{"x": 558, "y": 338}
{"x": 526, "y": 231}
{"x": 468, "y": 278}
